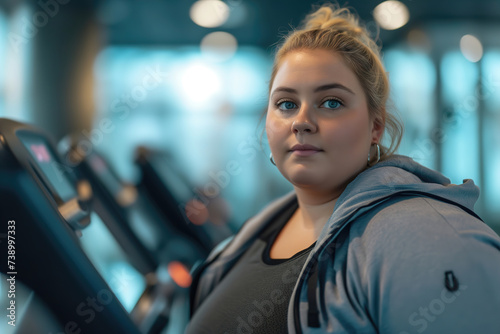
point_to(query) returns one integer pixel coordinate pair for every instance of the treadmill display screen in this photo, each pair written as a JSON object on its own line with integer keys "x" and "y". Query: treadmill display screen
{"x": 53, "y": 172}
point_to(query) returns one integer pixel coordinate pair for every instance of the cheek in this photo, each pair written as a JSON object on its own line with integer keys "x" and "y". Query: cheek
{"x": 275, "y": 128}
{"x": 350, "y": 136}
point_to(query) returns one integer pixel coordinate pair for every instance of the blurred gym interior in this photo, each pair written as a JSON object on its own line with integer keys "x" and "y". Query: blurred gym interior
{"x": 131, "y": 139}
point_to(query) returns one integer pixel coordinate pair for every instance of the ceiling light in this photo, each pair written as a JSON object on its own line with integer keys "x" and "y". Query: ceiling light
{"x": 391, "y": 15}
{"x": 209, "y": 13}
{"x": 471, "y": 48}
{"x": 219, "y": 45}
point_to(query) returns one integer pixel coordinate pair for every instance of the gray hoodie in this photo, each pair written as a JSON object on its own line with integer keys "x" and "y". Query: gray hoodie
{"x": 403, "y": 252}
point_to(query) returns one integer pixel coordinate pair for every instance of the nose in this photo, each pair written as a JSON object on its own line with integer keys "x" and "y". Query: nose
{"x": 304, "y": 123}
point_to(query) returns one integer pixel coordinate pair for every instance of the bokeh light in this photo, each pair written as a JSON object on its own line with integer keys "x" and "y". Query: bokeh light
{"x": 180, "y": 274}
{"x": 391, "y": 15}
{"x": 471, "y": 48}
{"x": 219, "y": 46}
{"x": 209, "y": 13}
{"x": 197, "y": 212}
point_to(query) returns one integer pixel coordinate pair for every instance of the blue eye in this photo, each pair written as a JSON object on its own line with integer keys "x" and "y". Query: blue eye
{"x": 332, "y": 104}
{"x": 286, "y": 105}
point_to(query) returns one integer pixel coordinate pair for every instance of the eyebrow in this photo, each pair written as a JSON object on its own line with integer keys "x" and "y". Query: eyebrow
{"x": 317, "y": 89}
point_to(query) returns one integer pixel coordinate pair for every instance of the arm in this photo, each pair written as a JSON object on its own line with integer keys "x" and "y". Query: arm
{"x": 432, "y": 268}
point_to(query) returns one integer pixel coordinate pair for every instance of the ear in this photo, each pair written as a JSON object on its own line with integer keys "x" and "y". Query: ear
{"x": 378, "y": 127}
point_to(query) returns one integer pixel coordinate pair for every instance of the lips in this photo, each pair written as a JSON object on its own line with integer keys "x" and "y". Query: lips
{"x": 304, "y": 150}
{"x": 304, "y": 147}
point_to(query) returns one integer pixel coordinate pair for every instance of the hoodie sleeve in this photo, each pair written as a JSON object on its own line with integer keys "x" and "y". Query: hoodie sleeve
{"x": 427, "y": 266}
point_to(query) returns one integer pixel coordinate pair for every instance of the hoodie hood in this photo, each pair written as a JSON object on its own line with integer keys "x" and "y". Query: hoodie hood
{"x": 398, "y": 175}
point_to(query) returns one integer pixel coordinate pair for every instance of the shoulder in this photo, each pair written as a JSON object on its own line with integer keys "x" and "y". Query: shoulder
{"x": 417, "y": 256}
{"x": 416, "y": 240}
{"x": 422, "y": 220}
{"x": 423, "y": 232}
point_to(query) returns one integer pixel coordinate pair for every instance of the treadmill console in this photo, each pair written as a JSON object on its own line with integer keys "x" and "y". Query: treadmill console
{"x": 53, "y": 173}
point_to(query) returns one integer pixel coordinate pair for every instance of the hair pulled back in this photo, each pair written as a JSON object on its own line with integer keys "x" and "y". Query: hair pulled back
{"x": 338, "y": 30}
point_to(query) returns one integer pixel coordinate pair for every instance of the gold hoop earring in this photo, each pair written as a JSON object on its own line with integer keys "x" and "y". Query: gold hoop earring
{"x": 370, "y": 163}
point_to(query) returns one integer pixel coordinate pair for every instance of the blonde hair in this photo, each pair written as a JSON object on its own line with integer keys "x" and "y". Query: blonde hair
{"x": 337, "y": 29}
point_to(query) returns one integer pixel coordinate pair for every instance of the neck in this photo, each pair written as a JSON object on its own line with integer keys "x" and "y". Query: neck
{"x": 314, "y": 208}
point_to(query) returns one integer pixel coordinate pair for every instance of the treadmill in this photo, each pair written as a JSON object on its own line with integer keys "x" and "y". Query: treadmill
{"x": 130, "y": 214}
{"x": 177, "y": 199}
{"x": 40, "y": 200}
{"x": 65, "y": 254}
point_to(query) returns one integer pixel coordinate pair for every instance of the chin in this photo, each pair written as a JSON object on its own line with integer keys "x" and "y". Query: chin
{"x": 305, "y": 179}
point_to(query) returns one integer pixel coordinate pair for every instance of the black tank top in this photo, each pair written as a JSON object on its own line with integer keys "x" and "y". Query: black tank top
{"x": 254, "y": 295}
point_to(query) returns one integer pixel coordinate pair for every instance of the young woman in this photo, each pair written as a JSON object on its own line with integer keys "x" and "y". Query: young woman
{"x": 368, "y": 241}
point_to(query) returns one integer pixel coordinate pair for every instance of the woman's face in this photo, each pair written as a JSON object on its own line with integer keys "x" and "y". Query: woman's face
{"x": 316, "y": 101}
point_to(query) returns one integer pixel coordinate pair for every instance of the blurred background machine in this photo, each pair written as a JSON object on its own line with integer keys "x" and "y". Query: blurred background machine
{"x": 72, "y": 248}
{"x": 48, "y": 213}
